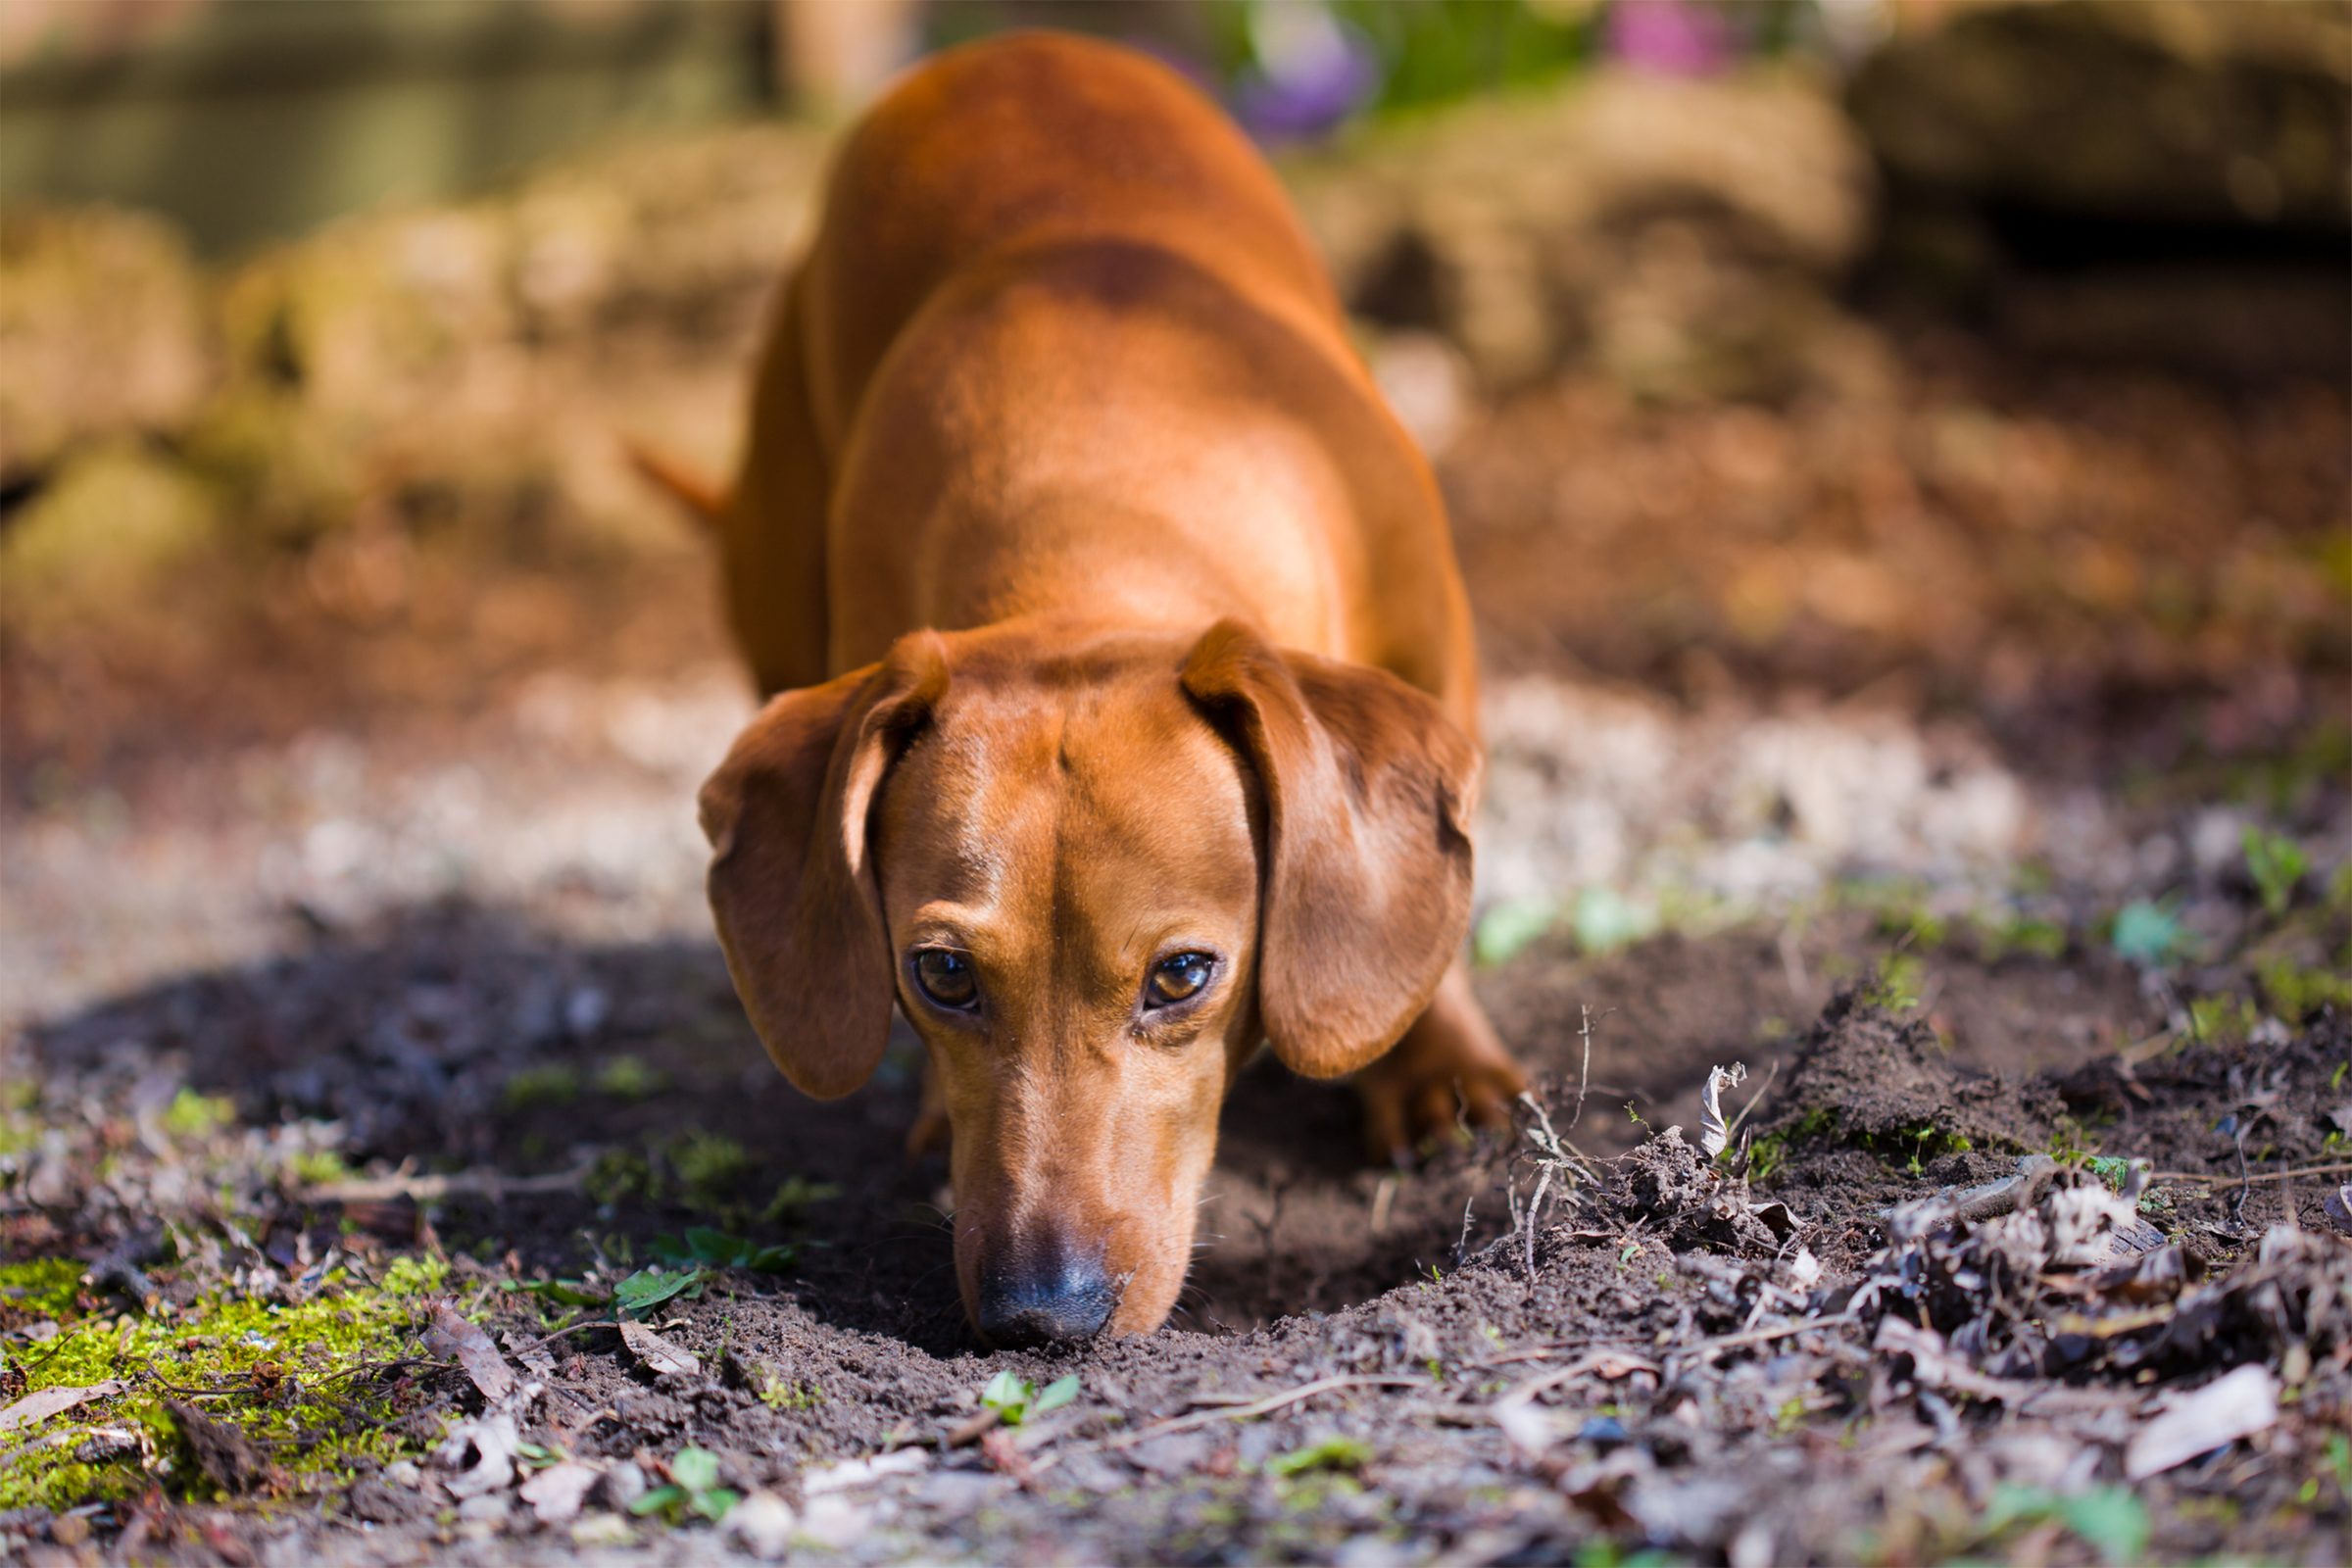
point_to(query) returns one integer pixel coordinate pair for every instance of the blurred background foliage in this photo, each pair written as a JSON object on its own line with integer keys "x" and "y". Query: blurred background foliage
{"x": 1751, "y": 338}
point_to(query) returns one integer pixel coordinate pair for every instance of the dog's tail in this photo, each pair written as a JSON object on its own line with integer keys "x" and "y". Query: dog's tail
{"x": 703, "y": 500}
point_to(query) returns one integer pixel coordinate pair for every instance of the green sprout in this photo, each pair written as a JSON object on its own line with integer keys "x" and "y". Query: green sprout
{"x": 719, "y": 1249}
{"x": 1016, "y": 1398}
{"x": 1332, "y": 1454}
{"x": 693, "y": 1489}
{"x": 2275, "y": 863}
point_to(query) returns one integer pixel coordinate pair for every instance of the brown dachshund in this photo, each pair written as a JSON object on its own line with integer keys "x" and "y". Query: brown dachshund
{"x": 1128, "y": 709}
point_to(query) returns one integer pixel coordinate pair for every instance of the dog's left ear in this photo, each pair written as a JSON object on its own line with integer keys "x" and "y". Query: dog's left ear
{"x": 792, "y": 885}
{"x": 1369, "y": 792}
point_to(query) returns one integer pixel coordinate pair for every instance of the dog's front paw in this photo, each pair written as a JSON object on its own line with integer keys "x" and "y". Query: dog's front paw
{"x": 1414, "y": 1098}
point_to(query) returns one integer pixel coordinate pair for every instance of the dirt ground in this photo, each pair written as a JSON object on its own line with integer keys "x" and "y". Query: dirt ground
{"x": 387, "y": 1170}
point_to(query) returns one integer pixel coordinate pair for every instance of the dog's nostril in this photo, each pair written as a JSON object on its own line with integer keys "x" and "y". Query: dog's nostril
{"x": 1022, "y": 1313}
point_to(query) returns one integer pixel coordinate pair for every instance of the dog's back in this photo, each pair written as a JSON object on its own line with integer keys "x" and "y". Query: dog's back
{"x": 1031, "y": 141}
{"x": 1060, "y": 347}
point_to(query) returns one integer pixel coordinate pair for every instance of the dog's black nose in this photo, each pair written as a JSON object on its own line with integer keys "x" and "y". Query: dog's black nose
{"x": 1057, "y": 1304}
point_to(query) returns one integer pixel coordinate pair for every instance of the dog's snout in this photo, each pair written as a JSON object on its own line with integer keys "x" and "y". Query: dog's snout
{"x": 1061, "y": 1303}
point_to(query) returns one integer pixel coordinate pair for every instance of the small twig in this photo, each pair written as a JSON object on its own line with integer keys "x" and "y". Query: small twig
{"x": 2339, "y": 1168}
{"x": 569, "y": 1328}
{"x": 1709, "y": 1348}
{"x": 1244, "y": 1413}
{"x": 1770, "y": 1073}
{"x": 1583, "y": 1074}
{"x": 435, "y": 1189}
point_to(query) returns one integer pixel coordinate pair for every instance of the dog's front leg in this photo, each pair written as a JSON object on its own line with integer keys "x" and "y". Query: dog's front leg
{"x": 1449, "y": 1068}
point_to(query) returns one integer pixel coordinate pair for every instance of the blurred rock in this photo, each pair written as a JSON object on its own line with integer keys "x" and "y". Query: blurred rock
{"x": 1683, "y": 235}
{"x": 113, "y": 524}
{"x": 2194, "y": 110}
{"x": 101, "y": 333}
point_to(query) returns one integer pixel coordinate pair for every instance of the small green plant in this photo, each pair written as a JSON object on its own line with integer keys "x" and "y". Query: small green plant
{"x": 2222, "y": 1020}
{"x": 2147, "y": 934}
{"x": 620, "y": 1175}
{"x": 795, "y": 1195}
{"x": 778, "y": 1393}
{"x": 549, "y": 1084}
{"x": 2109, "y": 1519}
{"x": 1605, "y": 920}
{"x": 2109, "y": 1169}
{"x": 709, "y": 1167}
{"x": 192, "y": 1115}
{"x": 1998, "y": 937}
{"x": 1509, "y": 929}
{"x": 1897, "y": 985}
{"x": 693, "y": 1489}
{"x": 318, "y": 1167}
{"x": 627, "y": 1077}
{"x": 2275, "y": 863}
{"x": 1332, "y": 1454}
{"x": 1016, "y": 1398}
{"x": 649, "y": 1288}
{"x": 2296, "y": 991}
{"x": 715, "y": 1248}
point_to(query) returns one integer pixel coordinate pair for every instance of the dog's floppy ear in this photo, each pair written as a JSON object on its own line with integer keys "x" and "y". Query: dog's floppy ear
{"x": 1369, "y": 791}
{"x": 793, "y": 890}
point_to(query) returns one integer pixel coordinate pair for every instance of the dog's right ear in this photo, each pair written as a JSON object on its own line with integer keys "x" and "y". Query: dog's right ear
{"x": 792, "y": 885}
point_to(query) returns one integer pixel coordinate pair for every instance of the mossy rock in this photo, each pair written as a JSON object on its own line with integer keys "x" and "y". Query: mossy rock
{"x": 2190, "y": 110}
{"x": 101, "y": 331}
{"x": 116, "y": 525}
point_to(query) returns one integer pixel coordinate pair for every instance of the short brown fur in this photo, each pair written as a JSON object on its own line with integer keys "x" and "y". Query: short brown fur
{"x": 1112, "y": 617}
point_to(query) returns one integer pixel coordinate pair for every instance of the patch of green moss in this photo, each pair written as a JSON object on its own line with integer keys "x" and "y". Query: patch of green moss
{"x": 298, "y": 1381}
{"x": 1910, "y": 1147}
{"x": 1897, "y": 985}
{"x": 627, "y": 1077}
{"x": 709, "y": 1167}
{"x": 777, "y": 1393}
{"x": 551, "y": 1084}
{"x": 619, "y": 1175}
{"x": 2296, "y": 991}
{"x": 2002, "y": 936}
{"x": 2222, "y": 1020}
{"x": 41, "y": 1288}
{"x": 317, "y": 1167}
{"x": 191, "y": 1115}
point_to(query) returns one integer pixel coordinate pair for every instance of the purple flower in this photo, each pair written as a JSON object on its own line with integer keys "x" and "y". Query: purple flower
{"x": 1672, "y": 37}
{"x": 1313, "y": 73}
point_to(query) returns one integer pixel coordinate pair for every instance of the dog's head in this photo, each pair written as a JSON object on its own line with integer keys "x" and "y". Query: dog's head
{"x": 1095, "y": 878}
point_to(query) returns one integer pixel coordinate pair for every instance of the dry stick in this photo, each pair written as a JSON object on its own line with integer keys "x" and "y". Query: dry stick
{"x": 2339, "y": 1168}
{"x": 1243, "y": 1412}
{"x": 433, "y": 1189}
{"x": 1732, "y": 1131}
{"x": 1733, "y": 1342}
{"x": 1583, "y": 1074}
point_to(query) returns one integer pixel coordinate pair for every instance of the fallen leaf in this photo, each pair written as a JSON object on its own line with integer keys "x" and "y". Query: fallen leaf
{"x": 764, "y": 1524}
{"x": 2338, "y": 1207}
{"x": 491, "y": 1440}
{"x": 1713, "y": 1134}
{"x": 451, "y": 1335}
{"x": 228, "y": 1458}
{"x": 2239, "y": 1405}
{"x": 864, "y": 1472}
{"x": 49, "y": 1402}
{"x": 557, "y": 1493}
{"x": 657, "y": 1352}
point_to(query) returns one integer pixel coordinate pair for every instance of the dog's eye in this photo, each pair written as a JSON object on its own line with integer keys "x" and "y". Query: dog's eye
{"x": 1178, "y": 978}
{"x": 946, "y": 978}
